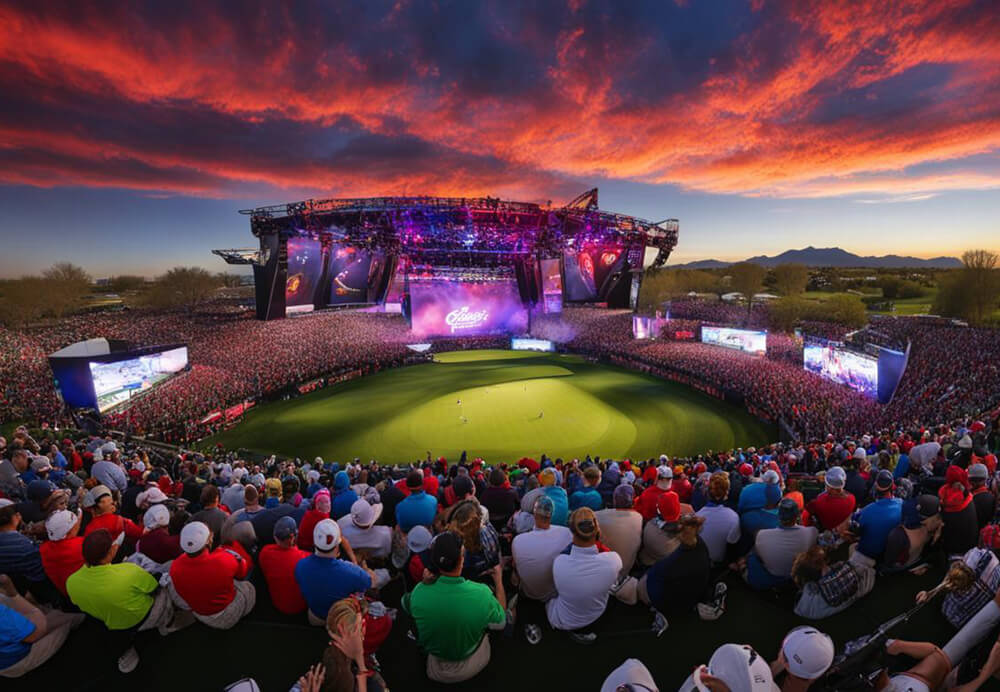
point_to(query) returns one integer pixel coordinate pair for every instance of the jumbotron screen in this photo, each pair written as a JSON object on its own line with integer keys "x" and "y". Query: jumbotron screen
{"x": 305, "y": 267}
{"x": 466, "y": 308}
{"x": 349, "y": 269}
{"x": 857, "y": 370}
{"x": 522, "y": 344}
{"x": 587, "y": 270}
{"x": 119, "y": 381}
{"x": 739, "y": 339}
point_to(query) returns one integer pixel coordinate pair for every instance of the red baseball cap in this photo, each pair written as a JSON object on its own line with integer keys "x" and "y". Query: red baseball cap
{"x": 668, "y": 506}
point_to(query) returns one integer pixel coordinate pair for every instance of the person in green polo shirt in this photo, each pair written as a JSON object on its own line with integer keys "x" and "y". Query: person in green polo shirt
{"x": 452, "y": 614}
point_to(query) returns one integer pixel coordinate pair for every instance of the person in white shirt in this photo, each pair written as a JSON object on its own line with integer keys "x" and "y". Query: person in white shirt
{"x": 621, "y": 527}
{"x": 722, "y": 524}
{"x": 535, "y": 551}
{"x": 770, "y": 563}
{"x": 360, "y": 530}
{"x": 583, "y": 578}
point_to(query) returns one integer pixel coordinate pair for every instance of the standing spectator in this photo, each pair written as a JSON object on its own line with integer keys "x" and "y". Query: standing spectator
{"x": 324, "y": 578}
{"x": 451, "y": 614}
{"x": 722, "y": 524}
{"x": 583, "y": 579}
{"x": 417, "y": 509}
{"x": 645, "y": 504}
{"x": 621, "y": 527}
{"x": 209, "y": 581}
{"x": 278, "y": 561}
{"x": 62, "y": 554}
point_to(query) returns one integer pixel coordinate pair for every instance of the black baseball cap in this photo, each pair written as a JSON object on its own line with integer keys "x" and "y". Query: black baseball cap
{"x": 446, "y": 551}
{"x": 463, "y": 485}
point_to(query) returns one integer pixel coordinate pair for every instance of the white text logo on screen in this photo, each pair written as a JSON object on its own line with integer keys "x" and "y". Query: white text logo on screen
{"x": 463, "y": 318}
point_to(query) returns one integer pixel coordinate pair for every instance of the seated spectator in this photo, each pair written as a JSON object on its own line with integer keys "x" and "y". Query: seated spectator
{"x": 770, "y": 562}
{"x": 645, "y": 504}
{"x": 208, "y": 582}
{"x": 920, "y": 529}
{"x": 29, "y": 636}
{"x": 873, "y": 523}
{"x": 732, "y": 667}
{"x": 961, "y": 524}
{"x": 971, "y": 583}
{"x": 210, "y": 515}
{"x": 317, "y": 512}
{"x": 277, "y": 562}
{"x": 583, "y": 578}
{"x": 20, "y": 558}
{"x": 157, "y": 543}
{"x": 418, "y": 542}
{"x": 104, "y": 508}
{"x": 832, "y": 509}
{"x": 588, "y": 495}
{"x": 418, "y": 508}
{"x": 349, "y": 662}
{"x": 722, "y": 524}
{"x": 482, "y": 544}
{"x": 263, "y": 522}
{"x": 234, "y": 494}
{"x": 560, "y": 500}
{"x": 621, "y": 527}
{"x": 659, "y": 536}
{"x": 764, "y": 517}
{"x": 804, "y": 657}
{"x": 753, "y": 495}
{"x": 343, "y": 496}
{"x": 124, "y": 596}
{"x": 630, "y": 675}
{"x": 982, "y": 498}
{"x": 451, "y": 614}
{"x": 535, "y": 551}
{"x": 826, "y": 589}
{"x": 361, "y": 532}
{"x": 324, "y": 578}
{"x": 62, "y": 554}
{"x": 499, "y": 499}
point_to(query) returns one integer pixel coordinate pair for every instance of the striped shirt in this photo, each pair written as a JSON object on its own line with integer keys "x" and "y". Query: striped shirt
{"x": 19, "y": 556}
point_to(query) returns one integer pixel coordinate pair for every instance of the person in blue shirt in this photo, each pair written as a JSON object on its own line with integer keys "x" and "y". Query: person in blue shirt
{"x": 753, "y": 496}
{"x": 419, "y": 509}
{"x": 873, "y": 523}
{"x": 552, "y": 490}
{"x": 343, "y": 496}
{"x": 324, "y": 578}
{"x": 588, "y": 496}
{"x": 902, "y": 467}
{"x": 766, "y": 517}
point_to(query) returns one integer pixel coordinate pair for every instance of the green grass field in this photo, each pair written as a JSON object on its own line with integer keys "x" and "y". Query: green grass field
{"x": 513, "y": 403}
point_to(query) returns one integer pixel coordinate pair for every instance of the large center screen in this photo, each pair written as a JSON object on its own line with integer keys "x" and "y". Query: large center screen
{"x": 856, "y": 370}
{"x": 466, "y": 308}
{"x": 349, "y": 270}
{"x": 740, "y": 339}
{"x": 119, "y": 381}
{"x": 588, "y": 269}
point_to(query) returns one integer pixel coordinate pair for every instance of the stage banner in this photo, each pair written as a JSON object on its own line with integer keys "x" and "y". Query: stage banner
{"x": 552, "y": 288}
{"x": 305, "y": 269}
{"x": 466, "y": 308}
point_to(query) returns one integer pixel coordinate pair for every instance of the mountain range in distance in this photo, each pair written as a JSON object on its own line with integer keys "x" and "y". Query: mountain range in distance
{"x": 832, "y": 257}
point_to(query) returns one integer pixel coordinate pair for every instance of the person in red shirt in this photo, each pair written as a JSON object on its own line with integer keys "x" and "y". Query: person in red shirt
{"x": 319, "y": 511}
{"x": 681, "y": 485}
{"x": 207, "y": 582}
{"x": 833, "y": 507}
{"x": 277, "y": 561}
{"x": 104, "y": 508}
{"x": 62, "y": 554}
{"x": 645, "y": 504}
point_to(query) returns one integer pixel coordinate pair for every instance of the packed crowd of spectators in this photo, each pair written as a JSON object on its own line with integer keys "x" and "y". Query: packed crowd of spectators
{"x": 151, "y": 542}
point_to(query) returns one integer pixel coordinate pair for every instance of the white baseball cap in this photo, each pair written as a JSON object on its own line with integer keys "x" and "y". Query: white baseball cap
{"x": 4, "y": 502}
{"x": 808, "y": 652}
{"x": 835, "y": 477}
{"x": 58, "y": 525}
{"x": 151, "y": 496}
{"x": 194, "y": 536}
{"x": 326, "y": 535}
{"x": 771, "y": 476}
{"x": 664, "y": 472}
{"x": 156, "y": 516}
{"x": 631, "y": 672}
{"x": 741, "y": 668}
{"x": 363, "y": 514}
{"x": 418, "y": 539}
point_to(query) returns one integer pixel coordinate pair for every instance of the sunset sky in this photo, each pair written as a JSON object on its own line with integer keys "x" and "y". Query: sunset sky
{"x": 131, "y": 135}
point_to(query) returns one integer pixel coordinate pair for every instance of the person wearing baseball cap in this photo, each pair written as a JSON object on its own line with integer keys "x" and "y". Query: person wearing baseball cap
{"x": 535, "y": 551}
{"x": 659, "y": 536}
{"x": 359, "y": 528}
{"x": 418, "y": 507}
{"x": 982, "y": 498}
{"x": 621, "y": 526}
{"x": 549, "y": 480}
{"x": 277, "y": 562}
{"x": 769, "y": 564}
{"x": 157, "y": 543}
{"x": 321, "y": 506}
{"x": 645, "y": 504}
{"x": 736, "y": 667}
{"x": 583, "y": 579}
{"x": 62, "y": 554}
{"x": 105, "y": 511}
{"x": 452, "y": 614}
{"x": 805, "y": 655}
{"x": 210, "y": 581}
{"x": 325, "y": 579}
{"x": 961, "y": 524}
{"x": 833, "y": 507}
{"x": 873, "y": 523}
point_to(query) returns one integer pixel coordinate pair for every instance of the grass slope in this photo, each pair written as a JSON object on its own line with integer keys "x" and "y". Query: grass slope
{"x": 516, "y": 404}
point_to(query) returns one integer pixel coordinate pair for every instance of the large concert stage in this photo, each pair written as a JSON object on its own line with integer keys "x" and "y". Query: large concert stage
{"x": 453, "y": 266}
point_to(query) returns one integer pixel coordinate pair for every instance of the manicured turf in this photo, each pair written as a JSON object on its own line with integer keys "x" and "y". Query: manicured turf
{"x": 513, "y": 403}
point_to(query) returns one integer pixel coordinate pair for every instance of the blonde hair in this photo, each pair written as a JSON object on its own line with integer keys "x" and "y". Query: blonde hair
{"x": 466, "y": 520}
{"x": 346, "y": 611}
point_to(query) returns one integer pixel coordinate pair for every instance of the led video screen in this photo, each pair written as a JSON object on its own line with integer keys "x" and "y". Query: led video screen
{"x": 739, "y": 339}
{"x": 552, "y": 288}
{"x": 466, "y": 308}
{"x": 305, "y": 267}
{"x": 349, "y": 272}
{"x": 647, "y": 327}
{"x": 856, "y": 370}
{"x": 531, "y": 345}
{"x": 588, "y": 269}
{"x": 119, "y": 381}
